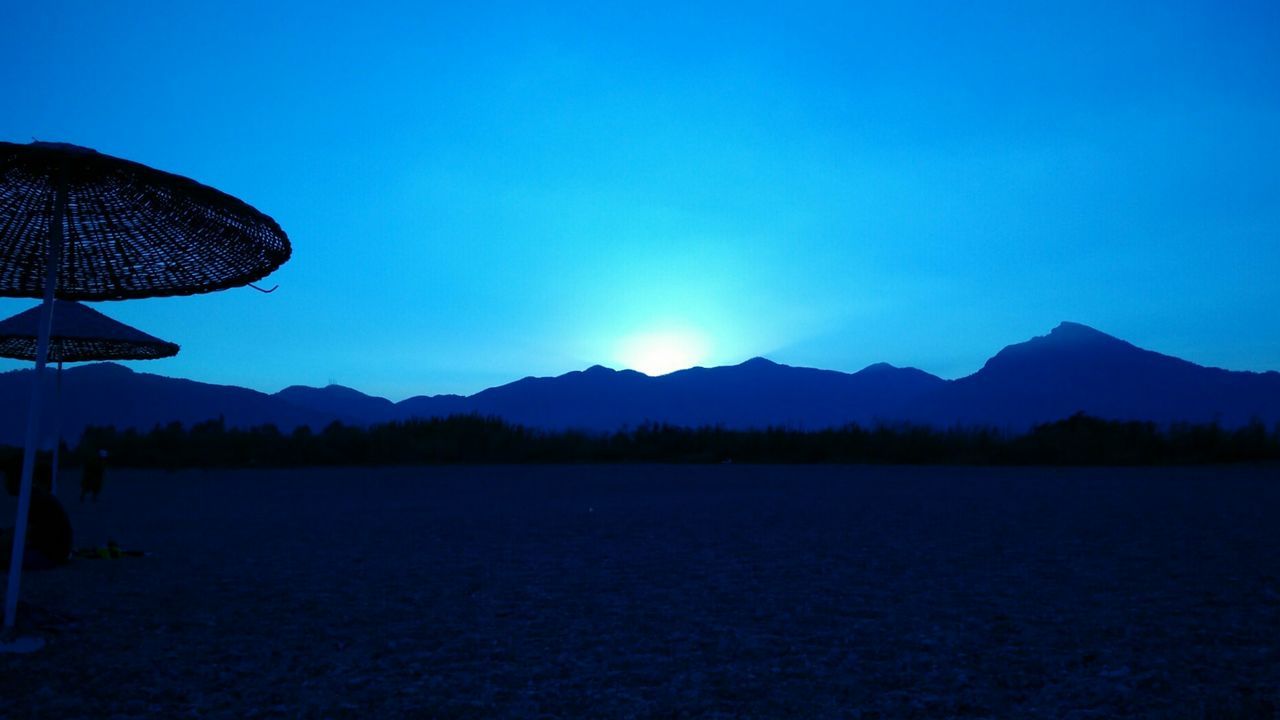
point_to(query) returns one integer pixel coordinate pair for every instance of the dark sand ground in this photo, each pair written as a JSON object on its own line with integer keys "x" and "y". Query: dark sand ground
{"x": 657, "y": 591}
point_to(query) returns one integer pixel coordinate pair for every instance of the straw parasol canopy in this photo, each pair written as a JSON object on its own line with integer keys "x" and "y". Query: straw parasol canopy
{"x": 79, "y": 225}
{"x": 130, "y": 231}
{"x": 80, "y": 334}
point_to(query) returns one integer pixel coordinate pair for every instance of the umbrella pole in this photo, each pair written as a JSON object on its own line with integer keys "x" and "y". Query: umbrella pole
{"x": 33, "y": 413}
{"x": 57, "y": 431}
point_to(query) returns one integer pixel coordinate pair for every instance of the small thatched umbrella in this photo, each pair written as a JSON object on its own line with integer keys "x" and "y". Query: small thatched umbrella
{"x": 79, "y": 334}
{"x": 79, "y": 225}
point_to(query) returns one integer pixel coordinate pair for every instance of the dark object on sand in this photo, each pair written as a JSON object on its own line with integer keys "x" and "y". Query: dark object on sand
{"x": 110, "y": 551}
{"x": 48, "y": 535}
{"x": 42, "y": 478}
{"x": 11, "y": 467}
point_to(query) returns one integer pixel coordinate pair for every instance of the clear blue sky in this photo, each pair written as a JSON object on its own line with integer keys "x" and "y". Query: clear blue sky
{"x": 477, "y": 192}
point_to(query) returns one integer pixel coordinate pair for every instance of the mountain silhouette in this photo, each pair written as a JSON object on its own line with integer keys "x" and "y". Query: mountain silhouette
{"x": 760, "y": 393}
{"x": 1072, "y": 369}
{"x": 110, "y": 394}
{"x": 756, "y": 393}
{"x": 1078, "y": 369}
{"x": 340, "y": 403}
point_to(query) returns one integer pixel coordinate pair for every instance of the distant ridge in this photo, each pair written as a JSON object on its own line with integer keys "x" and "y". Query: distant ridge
{"x": 110, "y": 394}
{"x": 341, "y": 403}
{"x": 1074, "y": 368}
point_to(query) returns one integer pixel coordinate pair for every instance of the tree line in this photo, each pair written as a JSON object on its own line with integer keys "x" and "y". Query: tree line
{"x": 1078, "y": 440}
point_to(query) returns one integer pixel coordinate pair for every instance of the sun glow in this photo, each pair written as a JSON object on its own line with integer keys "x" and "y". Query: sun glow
{"x": 658, "y": 353}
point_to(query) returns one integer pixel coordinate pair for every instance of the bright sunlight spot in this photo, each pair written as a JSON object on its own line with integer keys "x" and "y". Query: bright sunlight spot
{"x": 658, "y": 353}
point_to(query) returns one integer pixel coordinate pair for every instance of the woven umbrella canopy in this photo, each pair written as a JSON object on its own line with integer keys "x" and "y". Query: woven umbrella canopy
{"x": 76, "y": 224}
{"x": 128, "y": 231}
{"x": 79, "y": 334}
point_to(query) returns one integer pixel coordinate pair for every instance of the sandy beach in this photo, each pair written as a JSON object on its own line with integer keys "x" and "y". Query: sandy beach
{"x": 662, "y": 591}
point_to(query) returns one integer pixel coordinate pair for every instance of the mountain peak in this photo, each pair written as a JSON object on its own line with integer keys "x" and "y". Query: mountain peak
{"x": 1069, "y": 340}
{"x": 330, "y": 389}
{"x": 1075, "y": 332}
{"x": 343, "y": 390}
{"x": 758, "y": 362}
{"x": 105, "y": 368}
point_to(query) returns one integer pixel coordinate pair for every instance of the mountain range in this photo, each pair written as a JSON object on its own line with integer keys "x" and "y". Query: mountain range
{"x": 1072, "y": 369}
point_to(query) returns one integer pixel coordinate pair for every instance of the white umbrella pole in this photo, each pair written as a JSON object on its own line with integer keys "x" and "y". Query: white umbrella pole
{"x": 57, "y": 431}
{"x": 33, "y": 414}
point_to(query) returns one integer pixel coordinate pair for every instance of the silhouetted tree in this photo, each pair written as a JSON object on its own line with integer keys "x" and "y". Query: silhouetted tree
{"x": 1077, "y": 440}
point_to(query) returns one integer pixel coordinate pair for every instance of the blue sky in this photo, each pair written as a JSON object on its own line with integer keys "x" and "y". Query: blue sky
{"x": 478, "y": 192}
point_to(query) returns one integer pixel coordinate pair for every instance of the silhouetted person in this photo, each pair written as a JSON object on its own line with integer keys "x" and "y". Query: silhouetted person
{"x": 91, "y": 477}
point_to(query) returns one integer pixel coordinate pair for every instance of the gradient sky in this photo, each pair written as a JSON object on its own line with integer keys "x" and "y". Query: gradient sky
{"x": 478, "y": 192}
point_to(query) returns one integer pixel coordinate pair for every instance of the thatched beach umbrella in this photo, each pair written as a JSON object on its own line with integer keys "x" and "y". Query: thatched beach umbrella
{"x": 79, "y": 334}
{"x": 79, "y": 225}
